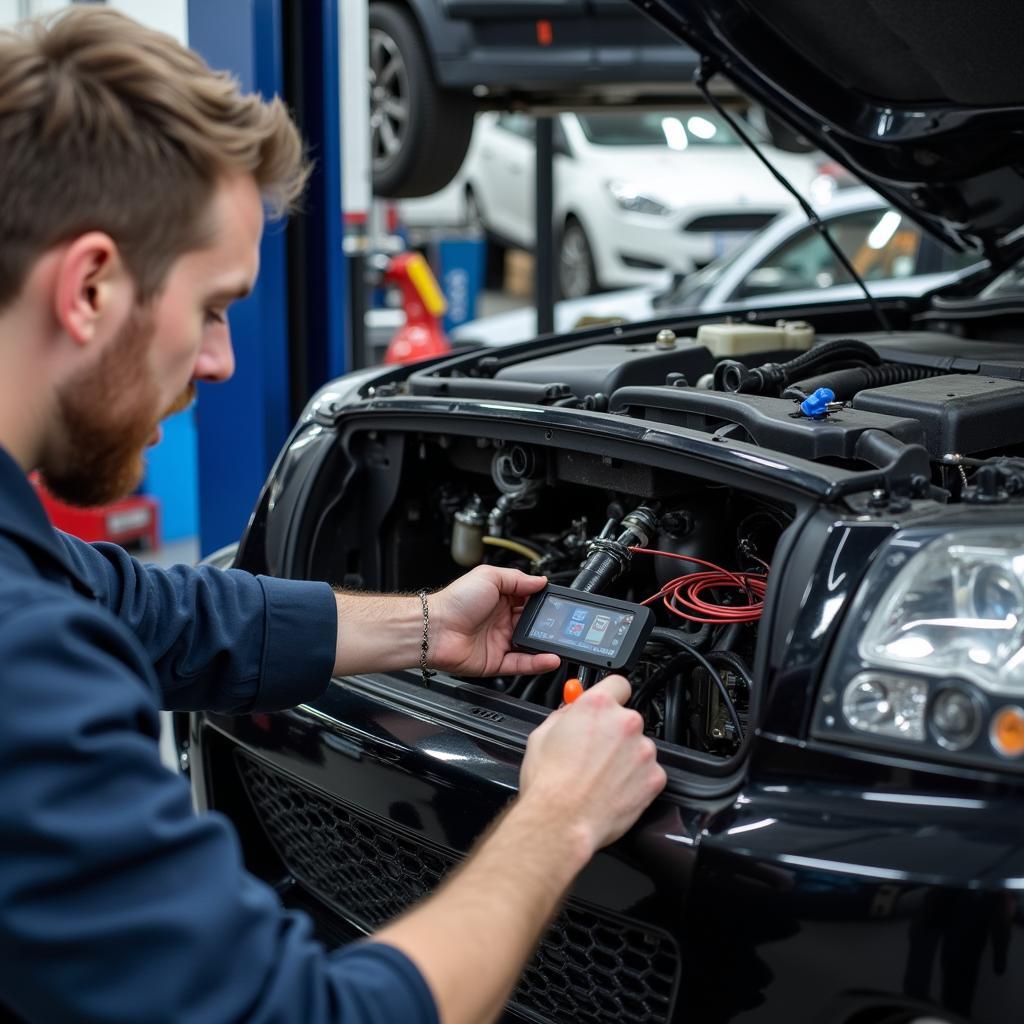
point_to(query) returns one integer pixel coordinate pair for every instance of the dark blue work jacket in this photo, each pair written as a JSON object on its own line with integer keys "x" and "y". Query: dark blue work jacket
{"x": 117, "y": 902}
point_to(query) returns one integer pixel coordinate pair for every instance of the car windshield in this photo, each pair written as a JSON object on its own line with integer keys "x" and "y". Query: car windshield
{"x": 676, "y": 129}
{"x": 880, "y": 244}
{"x": 691, "y": 289}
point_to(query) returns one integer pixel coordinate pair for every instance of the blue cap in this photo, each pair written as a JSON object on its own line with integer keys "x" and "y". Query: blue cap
{"x": 816, "y": 406}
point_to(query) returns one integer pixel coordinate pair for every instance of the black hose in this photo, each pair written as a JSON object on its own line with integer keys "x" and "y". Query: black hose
{"x": 680, "y": 638}
{"x": 661, "y": 677}
{"x": 729, "y": 635}
{"x": 844, "y": 384}
{"x": 535, "y": 690}
{"x": 672, "y": 638}
{"x": 771, "y": 378}
{"x": 675, "y": 711}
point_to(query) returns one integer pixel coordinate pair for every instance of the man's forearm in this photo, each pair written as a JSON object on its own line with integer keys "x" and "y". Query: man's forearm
{"x": 472, "y": 937}
{"x": 377, "y": 633}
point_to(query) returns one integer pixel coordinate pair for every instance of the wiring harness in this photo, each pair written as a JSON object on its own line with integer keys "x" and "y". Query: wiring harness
{"x": 684, "y": 596}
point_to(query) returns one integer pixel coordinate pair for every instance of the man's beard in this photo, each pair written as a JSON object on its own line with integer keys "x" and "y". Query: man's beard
{"x": 108, "y": 413}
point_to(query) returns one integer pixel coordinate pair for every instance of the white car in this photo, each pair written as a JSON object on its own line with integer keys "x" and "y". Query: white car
{"x": 634, "y": 193}
{"x": 788, "y": 262}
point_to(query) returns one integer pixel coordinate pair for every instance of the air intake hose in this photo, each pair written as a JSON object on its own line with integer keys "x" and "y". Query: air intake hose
{"x": 844, "y": 384}
{"x": 771, "y": 378}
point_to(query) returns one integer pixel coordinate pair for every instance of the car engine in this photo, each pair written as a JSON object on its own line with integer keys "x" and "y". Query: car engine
{"x": 912, "y": 419}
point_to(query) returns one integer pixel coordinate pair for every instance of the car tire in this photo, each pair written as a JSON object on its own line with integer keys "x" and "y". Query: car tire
{"x": 577, "y": 275}
{"x": 419, "y": 133}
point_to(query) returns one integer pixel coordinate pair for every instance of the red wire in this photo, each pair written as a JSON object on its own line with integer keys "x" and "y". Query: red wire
{"x": 682, "y": 596}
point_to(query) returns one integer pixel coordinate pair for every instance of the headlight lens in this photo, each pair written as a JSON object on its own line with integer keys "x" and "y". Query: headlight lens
{"x": 931, "y": 657}
{"x": 956, "y": 610}
{"x": 956, "y": 718}
{"x": 886, "y": 705}
{"x": 629, "y": 197}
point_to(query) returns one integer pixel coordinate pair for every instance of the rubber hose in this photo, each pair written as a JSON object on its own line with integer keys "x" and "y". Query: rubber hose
{"x": 728, "y": 636}
{"x": 771, "y": 378}
{"x": 679, "y": 638}
{"x": 673, "y": 638}
{"x": 846, "y": 383}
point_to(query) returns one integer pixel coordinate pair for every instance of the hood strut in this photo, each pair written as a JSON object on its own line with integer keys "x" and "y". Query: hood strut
{"x": 706, "y": 70}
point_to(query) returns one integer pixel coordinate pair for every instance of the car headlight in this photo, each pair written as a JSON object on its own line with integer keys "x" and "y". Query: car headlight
{"x": 931, "y": 657}
{"x": 629, "y": 197}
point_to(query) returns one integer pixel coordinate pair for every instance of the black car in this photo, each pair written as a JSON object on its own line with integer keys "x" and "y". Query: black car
{"x": 825, "y": 514}
{"x": 434, "y": 63}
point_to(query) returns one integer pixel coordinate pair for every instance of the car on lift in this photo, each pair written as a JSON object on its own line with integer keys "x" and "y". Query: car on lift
{"x": 829, "y": 537}
{"x": 634, "y": 193}
{"x": 787, "y": 262}
{"x": 434, "y": 63}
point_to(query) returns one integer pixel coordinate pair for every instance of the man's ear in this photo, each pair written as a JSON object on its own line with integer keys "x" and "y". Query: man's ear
{"x": 93, "y": 291}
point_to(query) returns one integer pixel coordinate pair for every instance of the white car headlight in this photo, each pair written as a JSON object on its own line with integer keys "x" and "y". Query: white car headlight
{"x": 957, "y": 609}
{"x": 632, "y": 198}
{"x": 932, "y": 655}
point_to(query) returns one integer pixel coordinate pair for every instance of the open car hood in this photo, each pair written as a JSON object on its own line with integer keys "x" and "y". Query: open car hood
{"x": 923, "y": 100}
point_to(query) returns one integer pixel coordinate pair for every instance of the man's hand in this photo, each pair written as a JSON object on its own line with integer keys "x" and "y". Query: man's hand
{"x": 590, "y": 765}
{"x": 472, "y": 619}
{"x": 589, "y": 772}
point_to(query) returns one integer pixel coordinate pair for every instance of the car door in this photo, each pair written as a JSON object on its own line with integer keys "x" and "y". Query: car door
{"x": 506, "y": 159}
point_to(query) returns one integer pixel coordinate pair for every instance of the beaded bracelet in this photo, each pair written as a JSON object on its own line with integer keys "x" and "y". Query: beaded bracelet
{"x": 425, "y": 672}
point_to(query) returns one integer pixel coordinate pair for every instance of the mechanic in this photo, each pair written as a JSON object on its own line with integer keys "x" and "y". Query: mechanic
{"x": 133, "y": 182}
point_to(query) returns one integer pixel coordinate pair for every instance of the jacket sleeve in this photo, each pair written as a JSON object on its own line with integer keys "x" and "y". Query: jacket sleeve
{"x": 219, "y": 640}
{"x": 119, "y": 904}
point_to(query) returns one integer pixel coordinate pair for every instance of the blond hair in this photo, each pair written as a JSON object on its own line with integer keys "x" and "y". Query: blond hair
{"x": 108, "y": 125}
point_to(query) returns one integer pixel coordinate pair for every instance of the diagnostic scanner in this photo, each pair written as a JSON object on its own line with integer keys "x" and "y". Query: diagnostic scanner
{"x": 584, "y": 628}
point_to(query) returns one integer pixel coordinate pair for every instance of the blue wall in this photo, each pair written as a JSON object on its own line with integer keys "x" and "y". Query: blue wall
{"x": 172, "y": 478}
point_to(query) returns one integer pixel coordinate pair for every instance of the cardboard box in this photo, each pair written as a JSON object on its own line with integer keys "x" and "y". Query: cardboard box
{"x": 519, "y": 273}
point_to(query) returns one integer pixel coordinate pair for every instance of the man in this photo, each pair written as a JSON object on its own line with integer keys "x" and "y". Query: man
{"x": 132, "y": 187}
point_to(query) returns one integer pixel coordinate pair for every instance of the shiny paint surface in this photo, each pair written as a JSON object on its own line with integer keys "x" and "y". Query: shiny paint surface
{"x": 793, "y": 893}
{"x": 806, "y": 893}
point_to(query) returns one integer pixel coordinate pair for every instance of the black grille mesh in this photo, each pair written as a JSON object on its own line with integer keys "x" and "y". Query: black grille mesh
{"x": 589, "y": 968}
{"x": 746, "y": 220}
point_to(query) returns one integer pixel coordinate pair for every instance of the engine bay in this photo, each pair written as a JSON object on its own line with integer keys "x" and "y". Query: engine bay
{"x": 928, "y": 417}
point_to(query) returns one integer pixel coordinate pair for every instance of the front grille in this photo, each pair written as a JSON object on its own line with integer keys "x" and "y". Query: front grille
{"x": 589, "y": 968}
{"x": 747, "y": 220}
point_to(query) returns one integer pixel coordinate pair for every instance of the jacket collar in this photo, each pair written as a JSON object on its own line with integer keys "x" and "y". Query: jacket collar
{"x": 23, "y": 518}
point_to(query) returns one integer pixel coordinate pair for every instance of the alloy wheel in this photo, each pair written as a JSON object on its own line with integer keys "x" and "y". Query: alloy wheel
{"x": 389, "y": 99}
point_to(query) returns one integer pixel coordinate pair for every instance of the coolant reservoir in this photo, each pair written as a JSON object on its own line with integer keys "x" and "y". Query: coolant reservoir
{"x": 743, "y": 339}
{"x": 468, "y": 535}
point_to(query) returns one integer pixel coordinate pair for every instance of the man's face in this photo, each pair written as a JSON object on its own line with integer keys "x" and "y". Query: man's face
{"x": 111, "y": 409}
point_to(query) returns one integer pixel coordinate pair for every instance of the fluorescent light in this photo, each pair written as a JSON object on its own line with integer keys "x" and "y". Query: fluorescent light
{"x": 882, "y": 232}
{"x": 675, "y": 133}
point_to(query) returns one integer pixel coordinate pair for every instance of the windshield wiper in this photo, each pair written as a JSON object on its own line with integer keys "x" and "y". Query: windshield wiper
{"x": 705, "y": 70}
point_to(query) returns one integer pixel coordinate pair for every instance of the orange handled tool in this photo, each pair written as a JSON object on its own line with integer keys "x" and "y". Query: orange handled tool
{"x": 573, "y": 688}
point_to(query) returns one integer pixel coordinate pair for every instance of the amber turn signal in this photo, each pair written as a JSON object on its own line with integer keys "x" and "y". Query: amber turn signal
{"x": 1007, "y": 731}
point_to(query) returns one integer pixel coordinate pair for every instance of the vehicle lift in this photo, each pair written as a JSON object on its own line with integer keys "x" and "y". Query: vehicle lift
{"x": 303, "y": 323}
